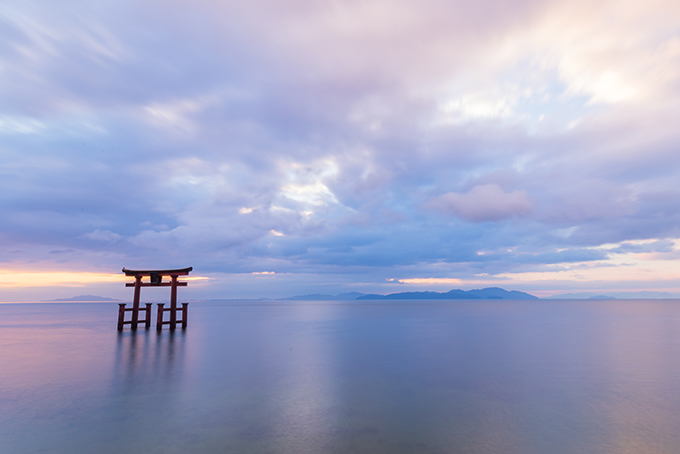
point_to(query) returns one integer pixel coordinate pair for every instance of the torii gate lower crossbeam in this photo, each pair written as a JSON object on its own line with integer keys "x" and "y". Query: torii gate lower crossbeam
{"x": 155, "y": 280}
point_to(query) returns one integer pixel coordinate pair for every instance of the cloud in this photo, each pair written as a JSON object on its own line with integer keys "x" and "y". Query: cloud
{"x": 103, "y": 235}
{"x": 484, "y": 203}
{"x": 430, "y": 281}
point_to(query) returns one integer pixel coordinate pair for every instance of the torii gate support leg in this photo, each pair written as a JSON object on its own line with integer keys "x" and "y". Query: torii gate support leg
{"x": 135, "y": 302}
{"x": 173, "y": 303}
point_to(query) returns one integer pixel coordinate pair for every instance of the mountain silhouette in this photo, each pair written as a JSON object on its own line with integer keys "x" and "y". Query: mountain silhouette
{"x": 456, "y": 294}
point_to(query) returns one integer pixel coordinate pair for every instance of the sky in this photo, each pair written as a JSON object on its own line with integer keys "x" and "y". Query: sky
{"x": 314, "y": 146}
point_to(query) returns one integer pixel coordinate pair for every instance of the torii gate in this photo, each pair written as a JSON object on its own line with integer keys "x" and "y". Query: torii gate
{"x": 155, "y": 280}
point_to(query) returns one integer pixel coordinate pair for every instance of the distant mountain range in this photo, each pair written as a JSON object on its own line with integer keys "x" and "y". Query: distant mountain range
{"x": 85, "y": 298}
{"x": 494, "y": 293}
{"x": 487, "y": 293}
{"x": 456, "y": 294}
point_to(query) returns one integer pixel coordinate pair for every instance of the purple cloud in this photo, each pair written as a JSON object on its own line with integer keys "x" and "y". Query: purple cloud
{"x": 483, "y": 203}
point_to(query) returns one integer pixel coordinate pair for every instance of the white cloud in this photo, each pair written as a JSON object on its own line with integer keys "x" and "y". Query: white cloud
{"x": 103, "y": 235}
{"x": 20, "y": 125}
{"x": 309, "y": 194}
{"x": 175, "y": 114}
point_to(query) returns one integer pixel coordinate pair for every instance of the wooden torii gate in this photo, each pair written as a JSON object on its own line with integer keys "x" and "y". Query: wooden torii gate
{"x": 155, "y": 280}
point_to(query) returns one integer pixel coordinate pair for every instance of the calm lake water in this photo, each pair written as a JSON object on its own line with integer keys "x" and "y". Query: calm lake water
{"x": 486, "y": 377}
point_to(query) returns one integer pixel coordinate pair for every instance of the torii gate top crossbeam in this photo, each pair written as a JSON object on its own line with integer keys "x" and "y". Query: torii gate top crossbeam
{"x": 178, "y": 272}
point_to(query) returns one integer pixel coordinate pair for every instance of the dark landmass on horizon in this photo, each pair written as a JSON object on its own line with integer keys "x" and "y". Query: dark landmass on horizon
{"x": 456, "y": 294}
{"x": 88, "y": 298}
{"x": 486, "y": 293}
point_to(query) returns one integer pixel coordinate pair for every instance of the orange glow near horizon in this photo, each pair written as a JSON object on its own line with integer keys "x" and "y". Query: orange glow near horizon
{"x": 11, "y": 278}
{"x": 659, "y": 272}
{"x": 28, "y": 279}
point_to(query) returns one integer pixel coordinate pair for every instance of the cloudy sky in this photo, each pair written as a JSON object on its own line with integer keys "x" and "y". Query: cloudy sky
{"x": 314, "y": 146}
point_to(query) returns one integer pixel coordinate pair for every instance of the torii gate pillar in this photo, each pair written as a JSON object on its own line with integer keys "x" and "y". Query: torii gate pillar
{"x": 155, "y": 280}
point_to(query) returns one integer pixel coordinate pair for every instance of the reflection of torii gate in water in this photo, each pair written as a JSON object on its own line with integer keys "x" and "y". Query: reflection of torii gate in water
{"x": 155, "y": 280}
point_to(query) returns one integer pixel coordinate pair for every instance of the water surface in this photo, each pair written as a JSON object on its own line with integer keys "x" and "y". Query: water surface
{"x": 345, "y": 377}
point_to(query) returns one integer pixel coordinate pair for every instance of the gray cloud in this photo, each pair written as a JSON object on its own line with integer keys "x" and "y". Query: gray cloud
{"x": 482, "y": 203}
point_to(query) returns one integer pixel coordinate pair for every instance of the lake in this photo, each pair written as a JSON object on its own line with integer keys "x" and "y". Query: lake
{"x": 486, "y": 377}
